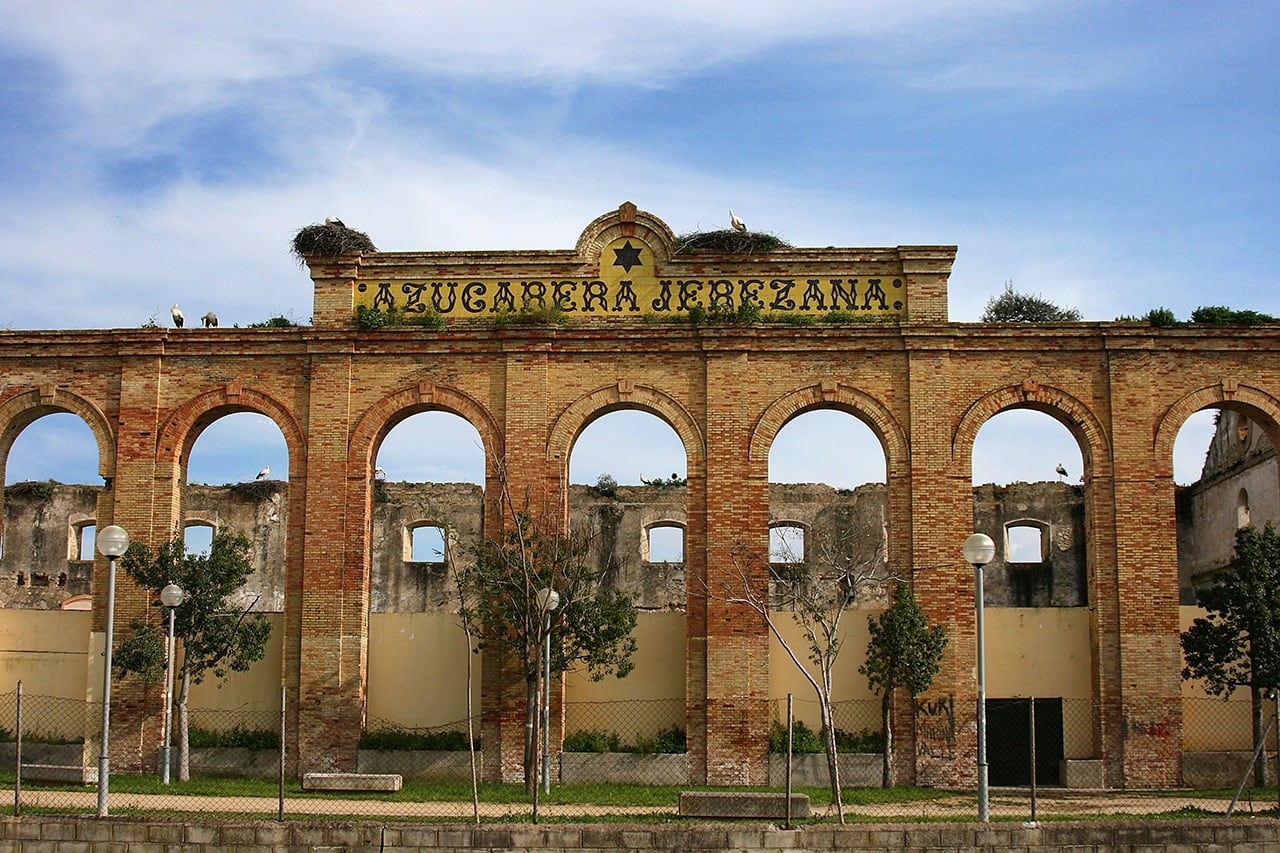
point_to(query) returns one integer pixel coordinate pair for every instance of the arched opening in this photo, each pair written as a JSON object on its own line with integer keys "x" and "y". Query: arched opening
{"x": 1029, "y": 496}
{"x": 828, "y": 553}
{"x": 236, "y": 479}
{"x": 50, "y": 500}
{"x": 627, "y": 474}
{"x": 1226, "y": 478}
{"x": 427, "y": 484}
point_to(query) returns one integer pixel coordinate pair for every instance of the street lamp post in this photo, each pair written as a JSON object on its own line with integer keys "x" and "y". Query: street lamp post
{"x": 978, "y": 551}
{"x": 548, "y": 600}
{"x": 113, "y": 541}
{"x": 171, "y": 596}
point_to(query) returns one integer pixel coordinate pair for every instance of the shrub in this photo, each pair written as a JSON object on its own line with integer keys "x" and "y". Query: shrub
{"x": 547, "y": 315}
{"x": 667, "y": 741}
{"x": 408, "y": 740}
{"x": 1220, "y": 315}
{"x": 239, "y": 737}
{"x": 804, "y": 740}
{"x": 277, "y": 322}
{"x": 864, "y": 740}
{"x": 593, "y": 740}
{"x": 607, "y": 486}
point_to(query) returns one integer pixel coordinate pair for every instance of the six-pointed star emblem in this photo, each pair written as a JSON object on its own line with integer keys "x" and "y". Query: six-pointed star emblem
{"x": 627, "y": 257}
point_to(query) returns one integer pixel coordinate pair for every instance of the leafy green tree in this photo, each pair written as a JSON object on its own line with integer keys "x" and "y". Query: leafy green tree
{"x": 1012, "y": 306}
{"x": 215, "y": 637}
{"x": 904, "y": 651}
{"x": 1237, "y": 642}
{"x": 591, "y": 626}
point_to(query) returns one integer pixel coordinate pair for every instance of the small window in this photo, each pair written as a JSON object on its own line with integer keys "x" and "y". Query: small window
{"x": 198, "y": 538}
{"x": 786, "y": 543}
{"x": 1025, "y": 543}
{"x": 666, "y": 544}
{"x": 86, "y": 538}
{"x": 427, "y": 544}
{"x": 1243, "y": 514}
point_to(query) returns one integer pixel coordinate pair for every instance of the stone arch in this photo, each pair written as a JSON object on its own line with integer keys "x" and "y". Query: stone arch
{"x": 625, "y": 395}
{"x": 380, "y": 418}
{"x": 1080, "y": 421}
{"x": 626, "y": 221}
{"x": 1261, "y": 407}
{"x": 21, "y": 410}
{"x": 180, "y": 431}
{"x": 832, "y": 395}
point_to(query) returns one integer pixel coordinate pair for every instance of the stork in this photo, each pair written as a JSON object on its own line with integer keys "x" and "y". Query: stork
{"x": 178, "y": 316}
{"x": 264, "y": 473}
{"x": 1062, "y": 472}
{"x": 738, "y": 224}
{"x": 333, "y": 220}
{"x": 210, "y": 320}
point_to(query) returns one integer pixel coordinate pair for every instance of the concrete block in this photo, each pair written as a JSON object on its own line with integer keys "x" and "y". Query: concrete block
{"x": 74, "y": 773}
{"x": 352, "y": 781}
{"x": 1082, "y": 773}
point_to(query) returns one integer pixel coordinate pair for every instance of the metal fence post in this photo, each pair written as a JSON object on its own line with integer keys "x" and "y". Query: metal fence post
{"x": 17, "y": 756}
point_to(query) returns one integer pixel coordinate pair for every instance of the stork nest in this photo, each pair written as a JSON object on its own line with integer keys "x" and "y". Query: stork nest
{"x": 728, "y": 240}
{"x": 329, "y": 241}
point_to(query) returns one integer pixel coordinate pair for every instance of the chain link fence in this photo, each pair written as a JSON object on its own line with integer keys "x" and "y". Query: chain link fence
{"x": 618, "y": 761}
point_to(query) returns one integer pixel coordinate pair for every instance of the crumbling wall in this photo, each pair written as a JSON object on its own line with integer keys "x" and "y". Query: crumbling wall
{"x": 1058, "y": 579}
{"x": 842, "y": 527}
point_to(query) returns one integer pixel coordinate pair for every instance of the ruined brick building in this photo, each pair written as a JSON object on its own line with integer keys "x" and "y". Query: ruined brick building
{"x": 604, "y": 326}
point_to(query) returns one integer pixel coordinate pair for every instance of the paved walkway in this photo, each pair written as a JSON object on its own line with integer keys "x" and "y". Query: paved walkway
{"x": 1003, "y": 804}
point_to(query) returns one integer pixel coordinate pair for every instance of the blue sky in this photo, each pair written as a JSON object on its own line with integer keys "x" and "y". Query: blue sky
{"x": 1114, "y": 156}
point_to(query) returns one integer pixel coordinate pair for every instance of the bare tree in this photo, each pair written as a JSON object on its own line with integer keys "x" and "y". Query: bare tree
{"x": 816, "y": 594}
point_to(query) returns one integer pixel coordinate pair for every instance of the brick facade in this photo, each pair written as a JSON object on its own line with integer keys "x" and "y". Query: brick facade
{"x": 923, "y": 385}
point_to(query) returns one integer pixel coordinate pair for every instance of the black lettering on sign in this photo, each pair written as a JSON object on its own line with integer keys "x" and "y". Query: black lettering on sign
{"x": 749, "y": 291}
{"x": 838, "y": 293}
{"x": 534, "y": 293}
{"x": 563, "y": 297}
{"x": 414, "y": 303}
{"x": 472, "y": 302}
{"x": 874, "y": 291}
{"x": 626, "y": 293}
{"x": 782, "y": 301}
{"x": 663, "y": 300}
{"x": 437, "y": 302}
{"x": 503, "y": 300}
{"x": 721, "y": 292}
{"x": 383, "y": 300}
{"x": 690, "y": 290}
{"x": 594, "y": 291}
{"x": 813, "y": 294}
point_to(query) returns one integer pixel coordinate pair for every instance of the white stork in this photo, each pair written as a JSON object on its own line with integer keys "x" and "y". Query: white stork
{"x": 178, "y": 316}
{"x": 264, "y": 473}
{"x": 333, "y": 220}
{"x": 1062, "y": 472}
{"x": 210, "y": 320}
{"x": 738, "y": 224}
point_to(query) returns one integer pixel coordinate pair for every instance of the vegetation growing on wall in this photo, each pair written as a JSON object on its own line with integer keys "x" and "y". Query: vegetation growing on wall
{"x": 375, "y": 318}
{"x": 1013, "y": 306}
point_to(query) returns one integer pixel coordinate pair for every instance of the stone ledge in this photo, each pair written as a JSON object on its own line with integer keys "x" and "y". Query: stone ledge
{"x": 759, "y": 804}
{"x": 60, "y": 773}
{"x": 352, "y": 781}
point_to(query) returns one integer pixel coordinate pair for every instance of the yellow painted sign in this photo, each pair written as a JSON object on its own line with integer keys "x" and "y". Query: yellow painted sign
{"x": 628, "y": 286}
